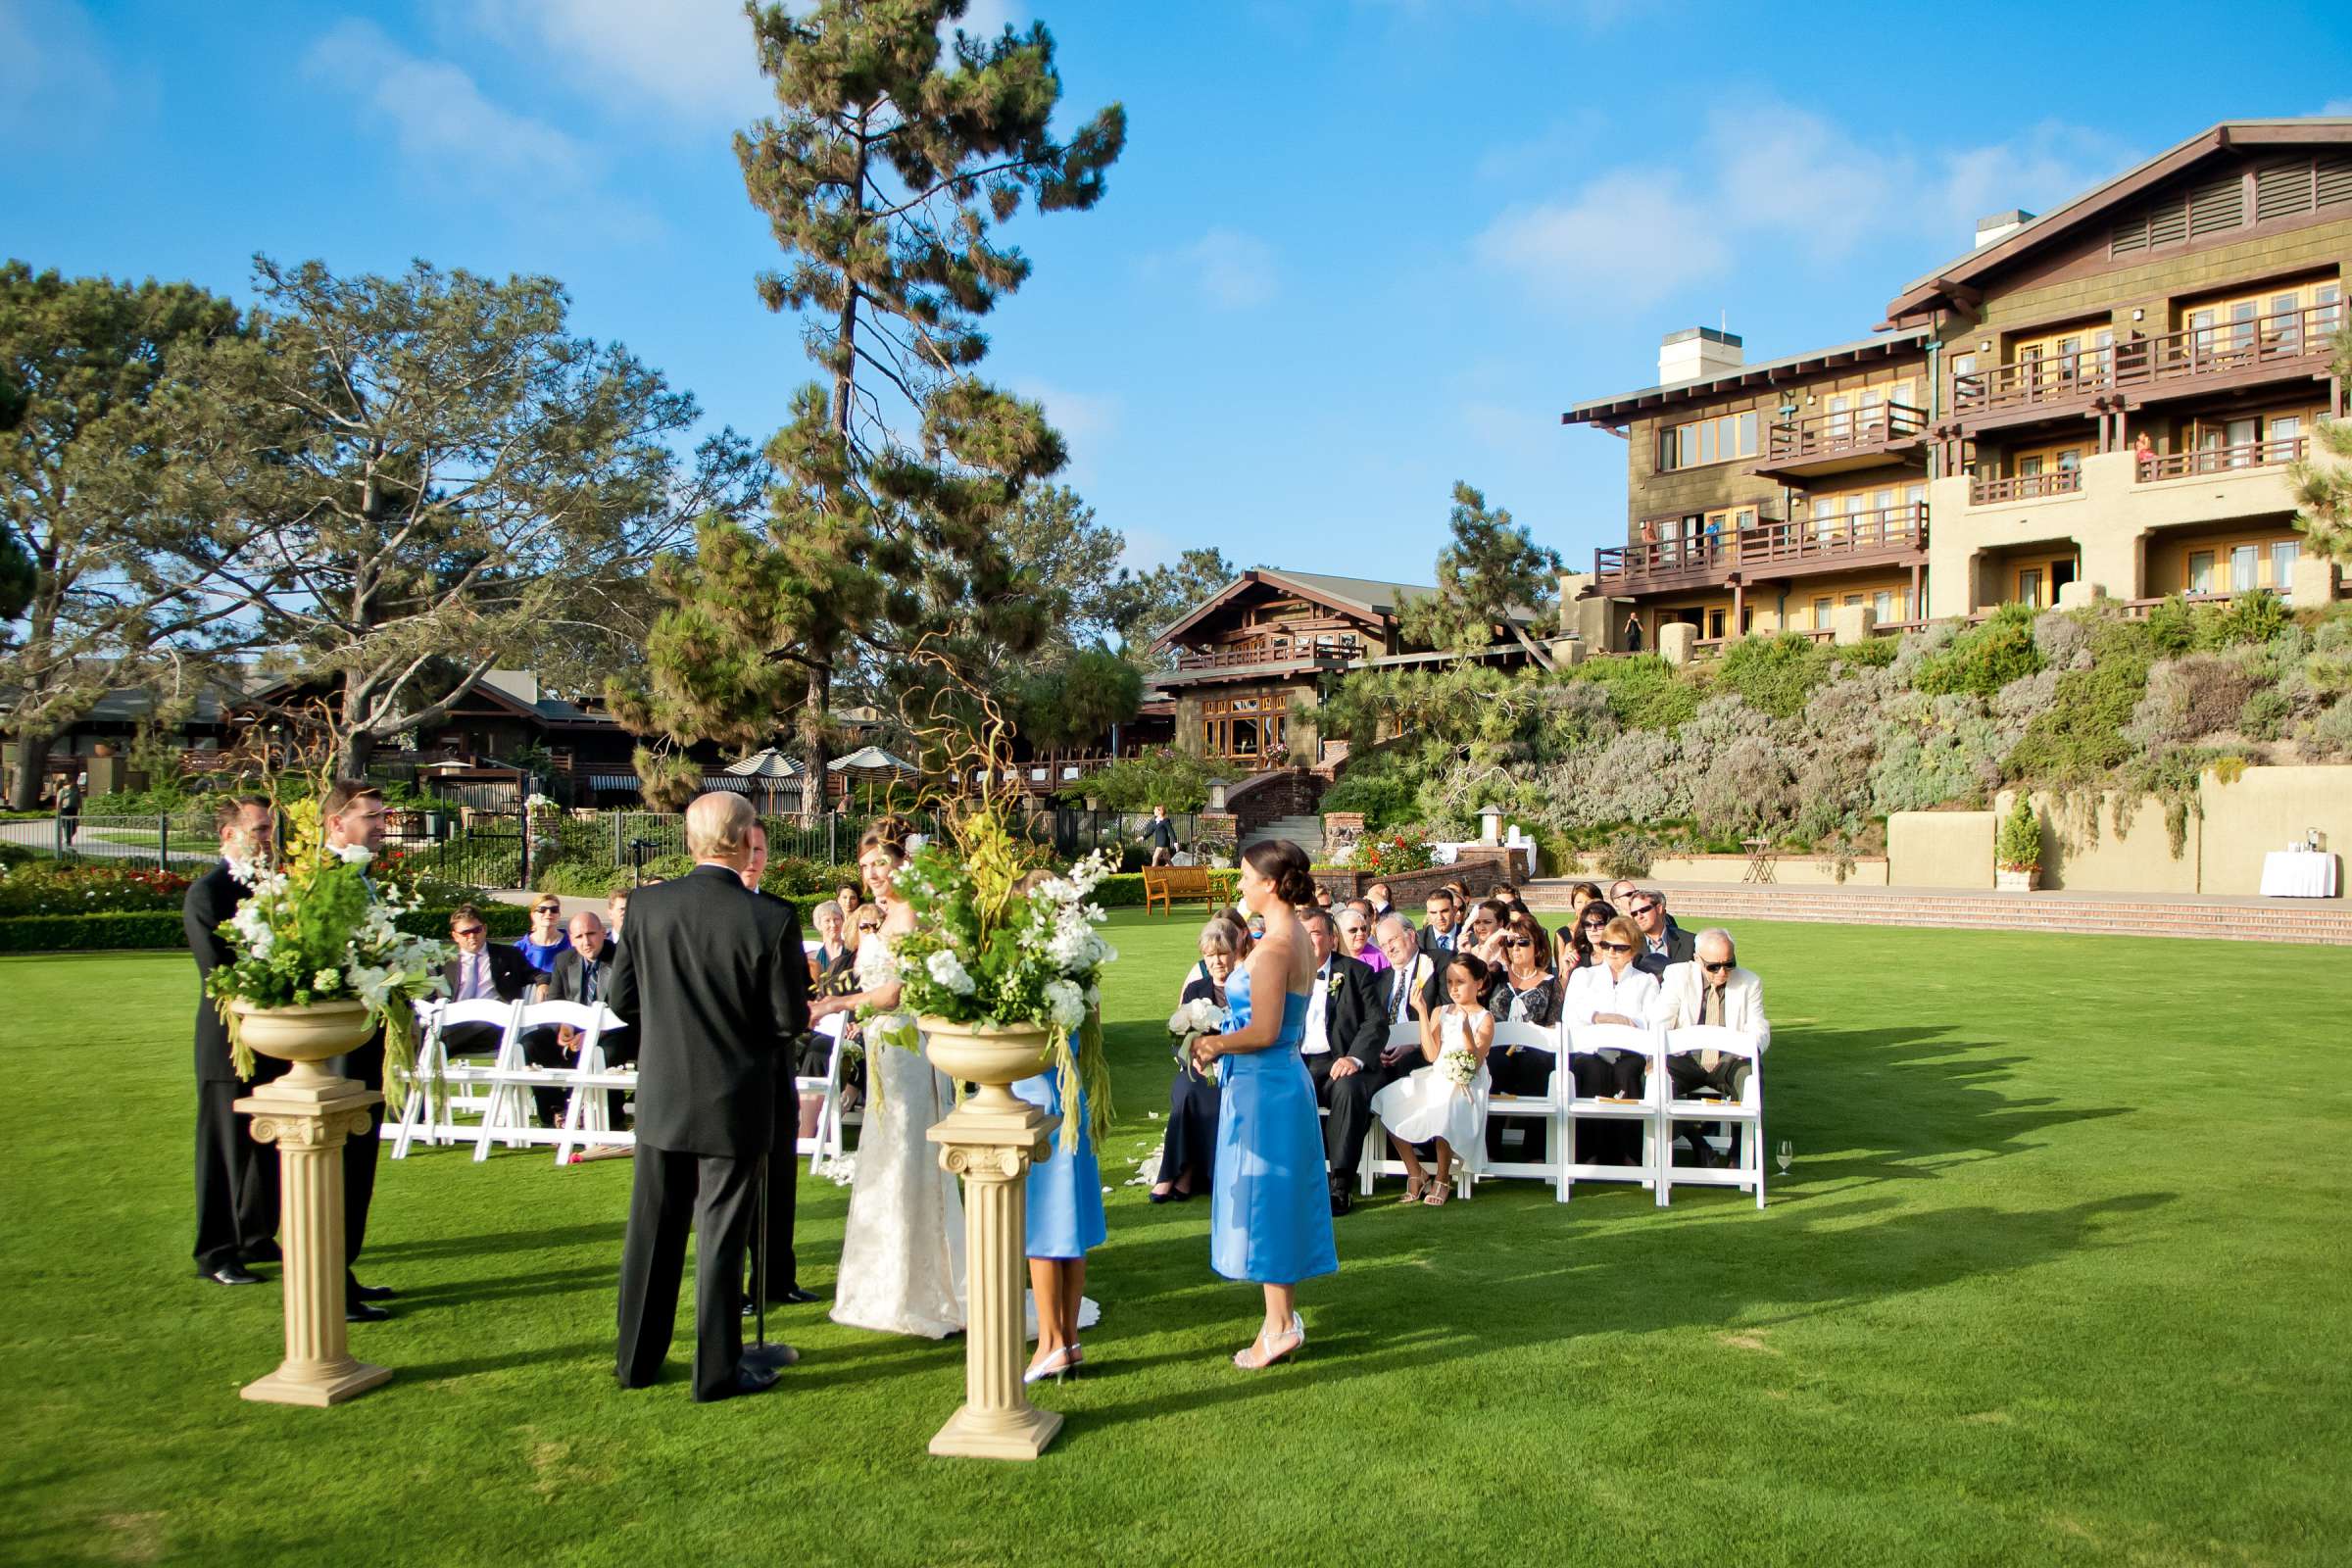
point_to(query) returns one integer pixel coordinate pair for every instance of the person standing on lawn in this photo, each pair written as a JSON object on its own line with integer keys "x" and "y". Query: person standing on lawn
{"x": 236, "y": 1178}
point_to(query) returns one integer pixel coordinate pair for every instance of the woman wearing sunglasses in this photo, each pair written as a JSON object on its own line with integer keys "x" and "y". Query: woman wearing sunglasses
{"x": 1612, "y": 991}
{"x": 1574, "y": 950}
{"x": 546, "y": 937}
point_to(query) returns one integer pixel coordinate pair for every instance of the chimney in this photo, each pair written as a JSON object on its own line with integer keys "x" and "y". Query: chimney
{"x": 2000, "y": 226}
{"x": 1697, "y": 353}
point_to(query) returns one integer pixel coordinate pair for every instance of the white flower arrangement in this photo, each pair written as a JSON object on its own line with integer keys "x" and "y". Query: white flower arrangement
{"x": 1458, "y": 1065}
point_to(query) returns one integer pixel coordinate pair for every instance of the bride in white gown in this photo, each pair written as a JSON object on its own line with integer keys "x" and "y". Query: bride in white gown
{"x": 902, "y": 1251}
{"x": 901, "y": 1255}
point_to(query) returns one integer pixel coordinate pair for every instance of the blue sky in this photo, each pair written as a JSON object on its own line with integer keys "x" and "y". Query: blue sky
{"x": 1355, "y": 250}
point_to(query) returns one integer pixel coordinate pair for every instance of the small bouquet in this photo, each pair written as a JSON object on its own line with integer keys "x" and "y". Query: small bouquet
{"x": 1458, "y": 1065}
{"x": 1188, "y": 1023}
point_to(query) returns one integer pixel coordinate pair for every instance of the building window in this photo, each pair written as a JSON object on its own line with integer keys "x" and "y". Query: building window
{"x": 1703, "y": 441}
{"x": 1881, "y": 605}
{"x": 1244, "y": 727}
{"x": 1821, "y": 614}
{"x": 2242, "y": 559}
{"x": 2283, "y": 555}
{"x": 2200, "y": 572}
{"x": 2028, "y": 586}
{"x": 1715, "y": 624}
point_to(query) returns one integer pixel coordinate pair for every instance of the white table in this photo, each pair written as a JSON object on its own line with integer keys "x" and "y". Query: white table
{"x": 2298, "y": 874}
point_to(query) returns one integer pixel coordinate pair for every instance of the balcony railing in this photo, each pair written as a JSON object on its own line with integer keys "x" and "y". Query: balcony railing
{"x": 1827, "y": 539}
{"x": 2291, "y": 340}
{"x": 1273, "y": 650}
{"x": 2224, "y": 459}
{"x": 2023, "y": 486}
{"x": 1845, "y": 433}
{"x": 1679, "y": 562}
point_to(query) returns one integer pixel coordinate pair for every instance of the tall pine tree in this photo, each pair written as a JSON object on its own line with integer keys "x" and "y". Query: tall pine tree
{"x": 1491, "y": 576}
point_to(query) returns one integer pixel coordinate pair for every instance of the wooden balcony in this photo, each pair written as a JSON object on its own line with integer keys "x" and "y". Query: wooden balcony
{"x": 2023, "y": 486}
{"x": 1851, "y": 438}
{"x": 2222, "y": 460}
{"x": 2192, "y": 362}
{"x": 1274, "y": 651}
{"x": 1621, "y": 572}
{"x": 1890, "y": 536}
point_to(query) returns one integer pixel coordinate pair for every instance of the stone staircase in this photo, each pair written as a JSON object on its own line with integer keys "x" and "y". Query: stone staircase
{"x": 1304, "y": 831}
{"x": 2319, "y": 921}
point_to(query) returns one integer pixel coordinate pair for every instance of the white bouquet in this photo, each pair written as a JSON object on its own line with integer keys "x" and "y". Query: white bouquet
{"x": 1458, "y": 1065}
{"x": 1188, "y": 1023}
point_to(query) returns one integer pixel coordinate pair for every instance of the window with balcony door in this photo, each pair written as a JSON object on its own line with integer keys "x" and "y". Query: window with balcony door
{"x": 1245, "y": 726}
{"x": 1881, "y": 605}
{"x": 2200, "y": 571}
{"x": 2283, "y": 555}
{"x": 2028, "y": 586}
{"x": 1700, "y": 442}
{"x": 2054, "y": 360}
{"x": 2273, "y": 320}
{"x": 1821, "y": 614}
{"x": 2244, "y": 567}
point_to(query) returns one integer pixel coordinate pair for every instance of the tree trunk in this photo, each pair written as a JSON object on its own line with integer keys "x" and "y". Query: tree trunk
{"x": 27, "y": 751}
{"x": 812, "y": 741}
{"x": 354, "y": 754}
{"x": 1542, "y": 661}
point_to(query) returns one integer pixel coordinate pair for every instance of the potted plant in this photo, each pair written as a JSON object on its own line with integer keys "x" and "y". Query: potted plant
{"x": 2017, "y": 850}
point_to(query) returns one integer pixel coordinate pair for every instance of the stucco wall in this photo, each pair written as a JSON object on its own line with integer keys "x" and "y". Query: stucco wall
{"x": 2082, "y": 850}
{"x": 2260, "y": 812}
{"x": 1940, "y": 849}
{"x": 1786, "y": 870}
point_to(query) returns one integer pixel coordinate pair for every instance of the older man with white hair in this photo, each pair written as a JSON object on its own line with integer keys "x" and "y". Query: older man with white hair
{"x": 1710, "y": 989}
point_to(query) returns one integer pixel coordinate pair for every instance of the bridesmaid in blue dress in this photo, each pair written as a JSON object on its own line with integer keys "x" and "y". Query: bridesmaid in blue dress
{"x": 1066, "y": 1220}
{"x": 1270, "y": 1213}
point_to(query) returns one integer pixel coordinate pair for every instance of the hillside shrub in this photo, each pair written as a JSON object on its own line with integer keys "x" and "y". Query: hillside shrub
{"x": 2254, "y": 617}
{"x": 1379, "y": 790}
{"x": 1645, "y": 691}
{"x": 1774, "y": 675}
{"x": 2193, "y": 697}
{"x": 1983, "y": 658}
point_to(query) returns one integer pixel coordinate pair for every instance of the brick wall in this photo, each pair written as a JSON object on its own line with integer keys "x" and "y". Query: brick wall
{"x": 1477, "y": 870}
{"x": 1284, "y": 792}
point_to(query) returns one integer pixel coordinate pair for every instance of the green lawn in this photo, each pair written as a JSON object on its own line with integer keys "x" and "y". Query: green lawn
{"x": 2060, "y": 1276}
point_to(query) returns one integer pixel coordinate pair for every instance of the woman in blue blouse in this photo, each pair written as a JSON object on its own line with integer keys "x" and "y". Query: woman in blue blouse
{"x": 1270, "y": 1213}
{"x": 546, "y": 938}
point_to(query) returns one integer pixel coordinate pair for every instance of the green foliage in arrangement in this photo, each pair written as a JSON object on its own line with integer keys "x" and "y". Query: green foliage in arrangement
{"x": 2018, "y": 845}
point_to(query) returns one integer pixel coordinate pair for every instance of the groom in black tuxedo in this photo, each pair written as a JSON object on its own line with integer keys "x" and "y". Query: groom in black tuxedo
{"x": 775, "y": 1270}
{"x": 714, "y": 981}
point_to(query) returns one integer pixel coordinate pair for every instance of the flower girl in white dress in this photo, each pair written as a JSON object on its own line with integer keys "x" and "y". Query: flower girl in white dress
{"x": 1447, "y": 1099}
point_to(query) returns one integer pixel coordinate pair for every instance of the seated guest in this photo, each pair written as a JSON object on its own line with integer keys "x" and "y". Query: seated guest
{"x": 1433, "y": 1104}
{"x": 1377, "y": 896}
{"x": 849, "y": 897}
{"x": 1188, "y": 1152}
{"x": 546, "y": 937}
{"x": 1663, "y": 942}
{"x": 580, "y": 972}
{"x": 1529, "y": 992}
{"x": 815, "y": 1053}
{"x": 1582, "y": 893}
{"x": 1711, "y": 988}
{"x": 1485, "y": 936}
{"x": 1355, "y": 934}
{"x": 480, "y": 973}
{"x": 1503, "y": 893}
{"x": 617, "y": 911}
{"x": 1347, "y": 1030}
{"x": 1622, "y": 891}
{"x": 1323, "y": 897}
{"x": 1414, "y": 981}
{"x": 1581, "y": 933}
{"x": 1612, "y": 991}
{"x": 831, "y": 949}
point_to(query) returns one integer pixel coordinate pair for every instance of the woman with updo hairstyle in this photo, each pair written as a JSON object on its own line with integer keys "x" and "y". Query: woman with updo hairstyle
{"x": 1270, "y": 1197}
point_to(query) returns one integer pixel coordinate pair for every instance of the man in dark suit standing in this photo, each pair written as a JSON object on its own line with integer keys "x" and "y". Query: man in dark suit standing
{"x": 352, "y": 816}
{"x": 236, "y": 1178}
{"x": 714, "y": 983}
{"x": 1343, "y": 1055}
{"x": 775, "y": 1268}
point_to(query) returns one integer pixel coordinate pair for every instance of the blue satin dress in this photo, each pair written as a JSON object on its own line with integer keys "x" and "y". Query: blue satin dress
{"x": 1269, "y": 1219}
{"x": 1066, "y": 1192}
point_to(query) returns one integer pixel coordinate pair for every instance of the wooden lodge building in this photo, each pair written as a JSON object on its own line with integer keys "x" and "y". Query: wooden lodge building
{"x": 2100, "y": 402}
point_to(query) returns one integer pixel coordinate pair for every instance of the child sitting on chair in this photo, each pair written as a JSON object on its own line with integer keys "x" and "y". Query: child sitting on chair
{"x": 1447, "y": 1099}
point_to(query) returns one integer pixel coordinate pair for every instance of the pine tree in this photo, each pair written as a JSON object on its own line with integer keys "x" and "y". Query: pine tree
{"x": 2321, "y": 483}
{"x": 1493, "y": 576}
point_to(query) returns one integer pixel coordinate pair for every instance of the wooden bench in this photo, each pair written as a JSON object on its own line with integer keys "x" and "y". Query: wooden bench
{"x": 1163, "y": 884}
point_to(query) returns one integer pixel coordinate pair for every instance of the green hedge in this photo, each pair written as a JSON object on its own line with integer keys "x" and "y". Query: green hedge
{"x": 138, "y": 929}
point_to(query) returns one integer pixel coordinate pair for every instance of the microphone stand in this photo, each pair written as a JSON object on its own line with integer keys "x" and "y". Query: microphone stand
{"x": 760, "y": 1353}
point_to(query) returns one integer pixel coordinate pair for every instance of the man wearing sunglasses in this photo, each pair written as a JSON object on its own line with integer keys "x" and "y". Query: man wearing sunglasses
{"x": 1712, "y": 989}
{"x": 1663, "y": 942}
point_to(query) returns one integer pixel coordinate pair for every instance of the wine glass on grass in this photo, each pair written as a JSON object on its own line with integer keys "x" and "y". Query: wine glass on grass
{"x": 1786, "y": 1155}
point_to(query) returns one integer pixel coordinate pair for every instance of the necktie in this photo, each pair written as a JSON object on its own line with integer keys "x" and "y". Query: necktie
{"x": 1400, "y": 994}
{"x": 588, "y": 980}
{"x": 1710, "y": 1011}
{"x": 472, "y": 987}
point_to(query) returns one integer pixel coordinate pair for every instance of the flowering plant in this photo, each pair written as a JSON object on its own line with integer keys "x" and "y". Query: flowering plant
{"x": 1399, "y": 850}
{"x": 314, "y": 929}
{"x": 42, "y": 887}
{"x": 1188, "y": 1023}
{"x": 991, "y": 945}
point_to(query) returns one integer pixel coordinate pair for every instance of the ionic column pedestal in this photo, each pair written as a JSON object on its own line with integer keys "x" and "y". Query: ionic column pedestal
{"x": 309, "y": 1114}
{"x": 990, "y": 1144}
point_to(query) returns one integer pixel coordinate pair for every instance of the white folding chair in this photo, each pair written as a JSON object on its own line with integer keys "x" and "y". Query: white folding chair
{"x": 587, "y": 1109}
{"x": 1745, "y": 1114}
{"x": 1611, "y": 1040}
{"x": 825, "y": 1142}
{"x": 509, "y": 1115}
{"x": 439, "y": 1088}
{"x": 1379, "y": 1158}
{"x": 1550, "y": 1107}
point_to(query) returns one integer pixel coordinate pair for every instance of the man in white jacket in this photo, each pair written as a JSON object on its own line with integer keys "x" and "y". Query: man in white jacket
{"x": 1711, "y": 990}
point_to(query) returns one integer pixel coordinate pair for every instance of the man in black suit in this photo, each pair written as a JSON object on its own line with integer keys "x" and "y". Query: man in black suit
{"x": 1663, "y": 943}
{"x": 714, "y": 983}
{"x": 1345, "y": 1030}
{"x": 581, "y": 973}
{"x": 775, "y": 1270}
{"x": 482, "y": 971}
{"x": 352, "y": 816}
{"x": 236, "y": 1178}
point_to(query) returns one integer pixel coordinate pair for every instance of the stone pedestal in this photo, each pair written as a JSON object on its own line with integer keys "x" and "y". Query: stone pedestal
{"x": 308, "y": 1114}
{"x": 990, "y": 1141}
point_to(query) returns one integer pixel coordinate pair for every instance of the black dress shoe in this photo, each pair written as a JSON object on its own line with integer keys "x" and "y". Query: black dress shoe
{"x": 372, "y": 1293}
{"x": 362, "y": 1312}
{"x": 795, "y": 1297}
{"x": 265, "y": 1252}
{"x": 233, "y": 1274}
{"x": 748, "y": 1380}
{"x": 1341, "y": 1201}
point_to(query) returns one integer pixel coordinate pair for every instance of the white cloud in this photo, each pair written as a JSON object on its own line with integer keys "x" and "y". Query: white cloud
{"x": 1777, "y": 177}
{"x": 1232, "y": 270}
{"x": 2337, "y": 109}
{"x": 443, "y": 127}
{"x": 55, "y": 80}
{"x": 692, "y": 59}
{"x": 1089, "y": 422}
{"x": 1626, "y": 239}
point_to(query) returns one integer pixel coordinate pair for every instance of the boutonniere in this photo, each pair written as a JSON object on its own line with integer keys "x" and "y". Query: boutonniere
{"x": 1333, "y": 988}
